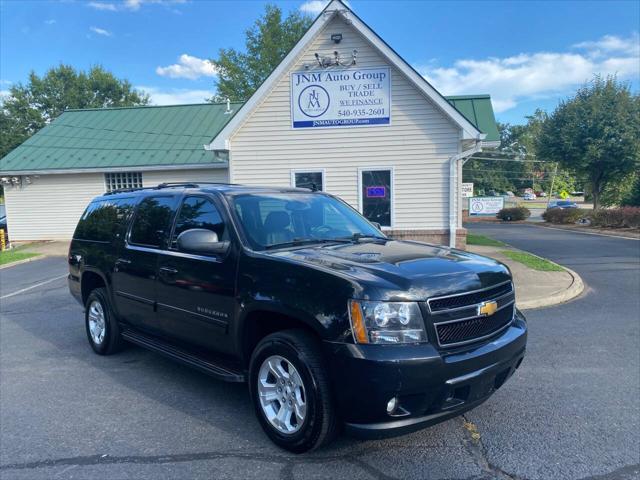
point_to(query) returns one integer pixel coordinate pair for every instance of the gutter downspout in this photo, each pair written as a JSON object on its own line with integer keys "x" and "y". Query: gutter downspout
{"x": 453, "y": 190}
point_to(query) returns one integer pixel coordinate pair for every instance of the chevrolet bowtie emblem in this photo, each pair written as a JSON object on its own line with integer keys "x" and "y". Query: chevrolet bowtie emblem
{"x": 487, "y": 308}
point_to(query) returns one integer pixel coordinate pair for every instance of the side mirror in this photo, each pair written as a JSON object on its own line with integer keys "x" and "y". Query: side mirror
{"x": 377, "y": 225}
{"x": 200, "y": 240}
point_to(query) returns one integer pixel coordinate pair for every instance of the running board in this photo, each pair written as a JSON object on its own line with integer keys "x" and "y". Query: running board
{"x": 185, "y": 357}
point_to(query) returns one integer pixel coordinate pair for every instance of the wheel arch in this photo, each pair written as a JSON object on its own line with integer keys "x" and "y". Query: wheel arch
{"x": 258, "y": 323}
{"x": 89, "y": 281}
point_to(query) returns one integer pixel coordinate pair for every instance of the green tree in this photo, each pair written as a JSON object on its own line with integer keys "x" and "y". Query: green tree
{"x": 267, "y": 42}
{"x": 596, "y": 135}
{"x": 28, "y": 108}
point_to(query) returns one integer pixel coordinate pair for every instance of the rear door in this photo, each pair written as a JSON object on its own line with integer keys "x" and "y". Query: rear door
{"x": 135, "y": 272}
{"x": 196, "y": 292}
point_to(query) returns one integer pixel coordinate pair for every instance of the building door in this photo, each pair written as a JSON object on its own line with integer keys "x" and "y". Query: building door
{"x": 376, "y": 195}
{"x": 196, "y": 292}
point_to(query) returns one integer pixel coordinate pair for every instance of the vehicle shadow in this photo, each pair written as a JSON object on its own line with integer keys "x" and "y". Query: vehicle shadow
{"x": 222, "y": 410}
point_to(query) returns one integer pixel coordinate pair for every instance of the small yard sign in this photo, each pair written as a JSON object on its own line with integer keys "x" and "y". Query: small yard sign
{"x": 467, "y": 190}
{"x": 485, "y": 205}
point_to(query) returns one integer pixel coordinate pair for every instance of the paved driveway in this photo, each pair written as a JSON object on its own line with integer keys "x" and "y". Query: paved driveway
{"x": 571, "y": 411}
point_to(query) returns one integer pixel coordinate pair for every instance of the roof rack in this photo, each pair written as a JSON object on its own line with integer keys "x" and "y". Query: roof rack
{"x": 167, "y": 185}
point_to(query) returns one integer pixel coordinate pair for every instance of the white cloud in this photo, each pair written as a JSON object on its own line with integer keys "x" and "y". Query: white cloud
{"x": 100, "y": 31}
{"x": 314, "y": 7}
{"x": 131, "y": 5}
{"x": 51, "y": 21}
{"x": 176, "y": 96}
{"x": 538, "y": 75}
{"x": 102, "y": 6}
{"x": 188, "y": 67}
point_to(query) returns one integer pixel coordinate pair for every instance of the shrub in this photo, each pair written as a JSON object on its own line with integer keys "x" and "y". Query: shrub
{"x": 513, "y": 214}
{"x": 566, "y": 215}
{"x": 626, "y": 217}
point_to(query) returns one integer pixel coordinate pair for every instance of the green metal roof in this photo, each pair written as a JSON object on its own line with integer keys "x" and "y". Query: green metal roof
{"x": 479, "y": 111}
{"x": 122, "y": 137}
{"x": 173, "y": 135}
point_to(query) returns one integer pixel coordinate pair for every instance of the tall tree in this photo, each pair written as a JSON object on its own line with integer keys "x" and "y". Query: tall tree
{"x": 267, "y": 42}
{"x": 28, "y": 108}
{"x": 595, "y": 134}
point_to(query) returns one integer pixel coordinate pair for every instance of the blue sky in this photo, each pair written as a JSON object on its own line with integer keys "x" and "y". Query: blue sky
{"x": 525, "y": 54}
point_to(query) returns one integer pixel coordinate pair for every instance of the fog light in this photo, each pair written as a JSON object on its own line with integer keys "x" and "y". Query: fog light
{"x": 391, "y": 405}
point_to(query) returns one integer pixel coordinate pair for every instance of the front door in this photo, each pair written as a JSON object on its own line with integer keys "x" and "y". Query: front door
{"x": 196, "y": 292}
{"x": 134, "y": 277}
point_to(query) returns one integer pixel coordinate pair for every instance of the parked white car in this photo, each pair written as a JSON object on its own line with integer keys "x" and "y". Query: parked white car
{"x": 529, "y": 196}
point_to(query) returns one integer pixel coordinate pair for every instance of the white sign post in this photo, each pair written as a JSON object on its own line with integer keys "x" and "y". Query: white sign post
{"x": 467, "y": 190}
{"x": 485, "y": 205}
{"x": 341, "y": 98}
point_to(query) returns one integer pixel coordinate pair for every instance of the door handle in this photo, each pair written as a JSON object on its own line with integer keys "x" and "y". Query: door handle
{"x": 169, "y": 270}
{"x": 123, "y": 261}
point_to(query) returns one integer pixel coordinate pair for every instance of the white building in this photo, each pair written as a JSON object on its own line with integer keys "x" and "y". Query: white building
{"x": 343, "y": 112}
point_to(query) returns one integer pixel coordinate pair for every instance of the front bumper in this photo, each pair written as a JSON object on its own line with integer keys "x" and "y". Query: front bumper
{"x": 431, "y": 385}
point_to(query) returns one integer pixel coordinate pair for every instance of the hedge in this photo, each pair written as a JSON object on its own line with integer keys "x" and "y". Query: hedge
{"x": 513, "y": 214}
{"x": 625, "y": 217}
{"x": 565, "y": 215}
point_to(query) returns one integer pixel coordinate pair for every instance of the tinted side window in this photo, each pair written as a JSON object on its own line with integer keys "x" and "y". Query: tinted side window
{"x": 103, "y": 219}
{"x": 199, "y": 212}
{"x": 152, "y": 220}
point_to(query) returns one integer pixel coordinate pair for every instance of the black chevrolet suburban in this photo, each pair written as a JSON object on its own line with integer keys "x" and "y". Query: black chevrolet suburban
{"x": 332, "y": 324}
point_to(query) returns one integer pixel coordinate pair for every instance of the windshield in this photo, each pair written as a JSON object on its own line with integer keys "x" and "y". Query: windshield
{"x": 565, "y": 203}
{"x": 281, "y": 219}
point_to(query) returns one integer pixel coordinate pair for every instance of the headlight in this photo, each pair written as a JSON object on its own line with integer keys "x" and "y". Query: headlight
{"x": 386, "y": 322}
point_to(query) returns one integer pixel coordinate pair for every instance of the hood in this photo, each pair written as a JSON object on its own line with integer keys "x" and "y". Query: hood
{"x": 407, "y": 270}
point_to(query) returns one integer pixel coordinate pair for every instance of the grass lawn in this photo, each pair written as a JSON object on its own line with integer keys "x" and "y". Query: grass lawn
{"x": 532, "y": 261}
{"x": 473, "y": 239}
{"x": 14, "y": 255}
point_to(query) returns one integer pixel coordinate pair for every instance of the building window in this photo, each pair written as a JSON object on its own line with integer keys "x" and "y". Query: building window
{"x": 376, "y": 195}
{"x": 119, "y": 180}
{"x": 311, "y": 179}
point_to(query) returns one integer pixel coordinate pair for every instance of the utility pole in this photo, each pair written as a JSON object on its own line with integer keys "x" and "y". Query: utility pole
{"x": 553, "y": 179}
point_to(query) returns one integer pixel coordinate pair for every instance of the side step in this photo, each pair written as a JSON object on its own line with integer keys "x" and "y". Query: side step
{"x": 221, "y": 372}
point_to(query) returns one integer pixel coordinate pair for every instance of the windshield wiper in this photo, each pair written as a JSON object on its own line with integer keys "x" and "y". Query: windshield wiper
{"x": 304, "y": 241}
{"x": 356, "y": 237}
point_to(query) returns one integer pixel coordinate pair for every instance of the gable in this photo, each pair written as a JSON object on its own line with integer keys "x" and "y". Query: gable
{"x": 338, "y": 10}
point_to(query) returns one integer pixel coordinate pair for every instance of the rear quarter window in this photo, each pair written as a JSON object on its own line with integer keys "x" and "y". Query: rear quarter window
{"x": 104, "y": 219}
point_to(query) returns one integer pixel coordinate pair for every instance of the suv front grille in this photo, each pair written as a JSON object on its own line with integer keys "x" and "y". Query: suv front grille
{"x": 468, "y": 299}
{"x": 456, "y": 320}
{"x": 473, "y": 329}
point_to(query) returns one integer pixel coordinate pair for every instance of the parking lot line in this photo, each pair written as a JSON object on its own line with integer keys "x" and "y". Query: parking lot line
{"x": 23, "y": 290}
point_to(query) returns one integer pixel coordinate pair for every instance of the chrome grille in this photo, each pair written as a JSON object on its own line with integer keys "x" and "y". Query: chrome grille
{"x": 456, "y": 321}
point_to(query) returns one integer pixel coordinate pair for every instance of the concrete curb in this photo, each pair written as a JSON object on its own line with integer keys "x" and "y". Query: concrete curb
{"x": 20, "y": 262}
{"x": 563, "y": 296}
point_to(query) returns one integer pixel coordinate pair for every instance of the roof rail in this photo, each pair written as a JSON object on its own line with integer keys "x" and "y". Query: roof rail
{"x": 167, "y": 185}
{"x": 123, "y": 190}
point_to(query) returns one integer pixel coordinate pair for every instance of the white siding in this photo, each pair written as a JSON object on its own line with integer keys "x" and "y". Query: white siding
{"x": 150, "y": 179}
{"x": 49, "y": 208}
{"x": 417, "y": 144}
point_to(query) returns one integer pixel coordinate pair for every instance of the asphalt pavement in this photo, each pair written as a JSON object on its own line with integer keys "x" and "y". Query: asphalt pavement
{"x": 571, "y": 411}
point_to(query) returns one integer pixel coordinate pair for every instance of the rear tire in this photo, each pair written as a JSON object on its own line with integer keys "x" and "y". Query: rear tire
{"x": 300, "y": 379}
{"x": 102, "y": 327}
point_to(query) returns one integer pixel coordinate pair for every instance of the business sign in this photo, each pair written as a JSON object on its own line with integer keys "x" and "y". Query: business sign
{"x": 467, "y": 190}
{"x": 485, "y": 205}
{"x": 376, "y": 192}
{"x": 341, "y": 98}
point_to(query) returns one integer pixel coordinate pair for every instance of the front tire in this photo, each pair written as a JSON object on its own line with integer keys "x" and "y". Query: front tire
{"x": 102, "y": 327}
{"x": 289, "y": 386}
